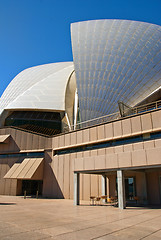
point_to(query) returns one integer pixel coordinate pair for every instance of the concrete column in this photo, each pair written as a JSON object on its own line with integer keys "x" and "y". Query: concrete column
{"x": 108, "y": 186}
{"x": 104, "y": 187}
{"x": 144, "y": 188}
{"x": 112, "y": 186}
{"x": 76, "y": 188}
{"x": 121, "y": 189}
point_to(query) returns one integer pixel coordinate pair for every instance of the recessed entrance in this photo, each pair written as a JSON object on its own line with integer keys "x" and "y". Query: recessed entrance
{"x": 31, "y": 187}
{"x": 130, "y": 188}
{"x": 160, "y": 187}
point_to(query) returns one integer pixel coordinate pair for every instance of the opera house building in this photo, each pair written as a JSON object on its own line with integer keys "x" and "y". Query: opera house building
{"x": 88, "y": 128}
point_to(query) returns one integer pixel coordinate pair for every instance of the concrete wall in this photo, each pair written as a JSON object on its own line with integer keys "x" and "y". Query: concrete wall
{"x": 62, "y": 173}
{"x": 19, "y": 141}
{"x": 154, "y": 187}
{"x": 128, "y": 155}
{"x": 58, "y": 169}
{"x": 7, "y": 186}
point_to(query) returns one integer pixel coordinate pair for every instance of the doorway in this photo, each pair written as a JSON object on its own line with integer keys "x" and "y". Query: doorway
{"x": 130, "y": 191}
{"x": 31, "y": 187}
{"x": 160, "y": 187}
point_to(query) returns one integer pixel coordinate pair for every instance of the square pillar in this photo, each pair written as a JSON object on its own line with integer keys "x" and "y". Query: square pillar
{"x": 144, "y": 188}
{"x": 111, "y": 186}
{"x": 121, "y": 189}
{"x": 76, "y": 188}
{"x": 104, "y": 187}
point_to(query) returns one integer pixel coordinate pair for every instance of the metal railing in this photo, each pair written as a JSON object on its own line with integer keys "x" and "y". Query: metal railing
{"x": 93, "y": 122}
{"x": 143, "y": 108}
{"x": 115, "y": 116}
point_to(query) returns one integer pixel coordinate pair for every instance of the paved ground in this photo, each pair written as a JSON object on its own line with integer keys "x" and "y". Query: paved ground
{"x": 27, "y": 219}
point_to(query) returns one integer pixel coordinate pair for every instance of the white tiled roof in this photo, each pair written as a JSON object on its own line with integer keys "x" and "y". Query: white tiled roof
{"x": 115, "y": 60}
{"x": 41, "y": 87}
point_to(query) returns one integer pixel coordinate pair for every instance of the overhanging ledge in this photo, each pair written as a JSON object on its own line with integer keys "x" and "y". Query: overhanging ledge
{"x": 4, "y": 138}
{"x": 29, "y": 168}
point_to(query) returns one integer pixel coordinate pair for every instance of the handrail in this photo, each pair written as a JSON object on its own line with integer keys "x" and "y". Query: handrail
{"x": 104, "y": 119}
{"x": 113, "y": 116}
{"x": 93, "y": 122}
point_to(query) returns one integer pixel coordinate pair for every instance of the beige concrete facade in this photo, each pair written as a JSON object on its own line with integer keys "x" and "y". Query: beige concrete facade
{"x": 136, "y": 156}
{"x": 140, "y": 160}
{"x": 19, "y": 142}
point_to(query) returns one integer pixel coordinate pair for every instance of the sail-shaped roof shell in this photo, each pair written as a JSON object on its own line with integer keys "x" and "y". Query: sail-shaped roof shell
{"x": 42, "y": 88}
{"x": 115, "y": 60}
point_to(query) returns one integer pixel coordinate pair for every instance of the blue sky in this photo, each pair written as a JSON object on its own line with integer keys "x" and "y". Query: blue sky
{"x": 35, "y": 32}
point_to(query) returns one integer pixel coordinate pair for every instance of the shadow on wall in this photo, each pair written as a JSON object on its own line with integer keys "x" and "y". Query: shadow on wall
{"x": 9, "y": 146}
{"x": 51, "y": 187}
